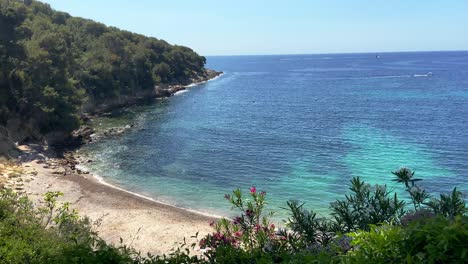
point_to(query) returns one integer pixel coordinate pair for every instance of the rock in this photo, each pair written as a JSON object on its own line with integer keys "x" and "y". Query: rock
{"x": 59, "y": 171}
{"x": 7, "y": 144}
{"x": 13, "y": 175}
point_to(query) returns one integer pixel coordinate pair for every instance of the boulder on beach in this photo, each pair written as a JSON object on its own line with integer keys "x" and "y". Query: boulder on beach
{"x": 7, "y": 146}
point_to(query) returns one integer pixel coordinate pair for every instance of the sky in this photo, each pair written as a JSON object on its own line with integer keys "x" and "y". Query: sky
{"x": 257, "y": 27}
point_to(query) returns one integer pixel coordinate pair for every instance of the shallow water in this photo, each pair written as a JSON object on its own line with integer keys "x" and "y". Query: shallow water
{"x": 298, "y": 127}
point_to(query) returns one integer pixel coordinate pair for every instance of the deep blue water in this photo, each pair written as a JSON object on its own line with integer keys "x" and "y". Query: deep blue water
{"x": 297, "y": 126}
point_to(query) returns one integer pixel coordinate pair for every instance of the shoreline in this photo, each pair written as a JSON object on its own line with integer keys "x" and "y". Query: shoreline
{"x": 142, "y": 222}
{"x": 81, "y": 166}
{"x": 158, "y": 92}
{"x": 147, "y": 225}
{"x": 84, "y": 134}
{"x": 100, "y": 180}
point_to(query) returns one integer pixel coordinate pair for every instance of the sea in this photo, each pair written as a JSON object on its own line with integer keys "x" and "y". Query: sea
{"x": 298, "y": 127}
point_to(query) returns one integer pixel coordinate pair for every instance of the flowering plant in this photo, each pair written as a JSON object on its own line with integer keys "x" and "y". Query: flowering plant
{"x": 252, "y": 229}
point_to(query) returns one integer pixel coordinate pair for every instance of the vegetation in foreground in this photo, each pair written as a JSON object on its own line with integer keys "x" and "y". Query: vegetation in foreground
{"x": 370, "y": 225}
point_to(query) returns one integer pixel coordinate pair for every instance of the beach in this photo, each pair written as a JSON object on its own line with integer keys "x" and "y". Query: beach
{"x": 146, "y": 225}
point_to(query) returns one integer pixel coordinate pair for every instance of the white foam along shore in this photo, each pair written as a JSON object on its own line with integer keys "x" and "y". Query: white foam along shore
{"x": 101, "y": 180}
{"x": 186, "y": 87}
{"x": 147, "y": 224}
{"x": 202, "y": 82}
{"x": 123, "y": 213}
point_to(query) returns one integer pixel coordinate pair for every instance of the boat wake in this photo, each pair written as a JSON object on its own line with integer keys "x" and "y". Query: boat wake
{"x": 429, "y": 74}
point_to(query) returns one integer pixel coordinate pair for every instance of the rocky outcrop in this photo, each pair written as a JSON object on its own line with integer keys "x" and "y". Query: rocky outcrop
{"x": 160, "y": 91}
{"x": 169, "y": 90}
{"x": 7, "y": 145}
{"x": 18, "y": 130}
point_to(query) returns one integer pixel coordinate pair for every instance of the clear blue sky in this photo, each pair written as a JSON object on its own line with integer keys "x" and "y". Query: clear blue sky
{"x": 218, "y": 27}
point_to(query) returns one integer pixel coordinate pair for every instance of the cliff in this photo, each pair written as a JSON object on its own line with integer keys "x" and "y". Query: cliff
{"x": 56, "y": 69}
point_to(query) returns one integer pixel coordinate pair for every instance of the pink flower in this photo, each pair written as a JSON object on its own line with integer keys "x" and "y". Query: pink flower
{"x": 212, "y": 223}
{"x": 263, "y": 193}
{"x": 272, "y": 226}
{"x": 253, "y": 189}
{"x": 238, "y": 234}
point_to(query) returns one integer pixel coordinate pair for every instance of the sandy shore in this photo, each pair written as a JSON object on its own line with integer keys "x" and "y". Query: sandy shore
{"x": 144, "y": 224}
{"x": 147, "y": 225}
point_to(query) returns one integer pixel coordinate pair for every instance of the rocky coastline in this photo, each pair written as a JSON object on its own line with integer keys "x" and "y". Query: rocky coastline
{"x": 38, "y": 168}
{"x": 84, "y": 134}
{"x": 62, "y": 158}
{"x": 64, "y": 143}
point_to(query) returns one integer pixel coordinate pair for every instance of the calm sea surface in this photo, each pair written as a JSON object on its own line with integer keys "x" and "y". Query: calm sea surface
{"x": 298, "y": 127}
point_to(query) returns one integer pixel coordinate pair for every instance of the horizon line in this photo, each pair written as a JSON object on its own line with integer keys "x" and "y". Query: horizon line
{"x": 333, "y": 53}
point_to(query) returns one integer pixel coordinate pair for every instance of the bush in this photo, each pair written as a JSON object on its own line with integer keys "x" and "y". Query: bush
{"x": 370, "y": 226}
{"x": 252, "y": 229}
{"x": 366, "y": 205}
{"x": 378, "y": 245}
{"x": 50, "y": 234}
{"x": 437, "y": 240}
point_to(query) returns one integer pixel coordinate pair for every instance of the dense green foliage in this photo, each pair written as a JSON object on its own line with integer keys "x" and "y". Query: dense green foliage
{"x": 51, "y": 64}
{"x": 434, "y": 231}
{"x": 371, "y": 225}
{"x": 49, "y": 234}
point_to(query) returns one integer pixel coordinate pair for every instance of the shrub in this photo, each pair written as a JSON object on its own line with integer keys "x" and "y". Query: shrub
{"x": 252, "y": 229}
{"x": 366, "y": 205}
{"x": 437, "y": 240}
{"x": 306, "y": 230}
{"x": 50, "y": 234}
{"x": 369, "y": 226}
{"x": 448, "y": 205}
{"x": 381, "y": 244}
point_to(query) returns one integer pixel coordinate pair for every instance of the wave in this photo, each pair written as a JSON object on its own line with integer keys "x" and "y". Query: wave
{"x": 101, "y": 180}
{"x": 181, "y": 91}
{"x": 199, "y": 83}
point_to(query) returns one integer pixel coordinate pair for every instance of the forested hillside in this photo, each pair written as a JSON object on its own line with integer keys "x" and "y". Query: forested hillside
{"x": 52, "y": 65}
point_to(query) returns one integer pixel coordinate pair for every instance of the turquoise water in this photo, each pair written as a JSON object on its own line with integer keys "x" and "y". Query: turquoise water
{"x": 298, "y": 127}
